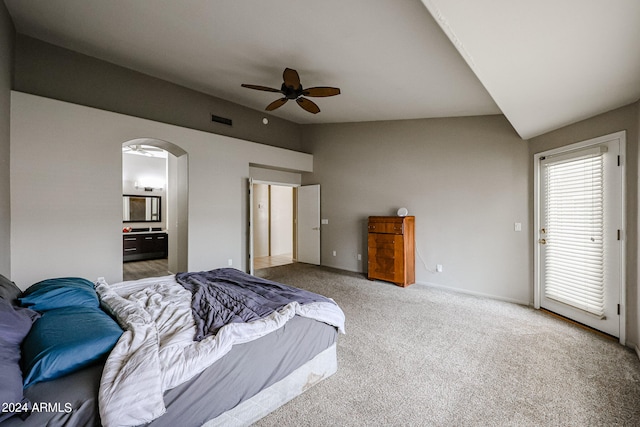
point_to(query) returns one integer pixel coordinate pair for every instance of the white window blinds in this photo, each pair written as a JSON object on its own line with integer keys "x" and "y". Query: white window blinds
{"x": 574, "y": 250}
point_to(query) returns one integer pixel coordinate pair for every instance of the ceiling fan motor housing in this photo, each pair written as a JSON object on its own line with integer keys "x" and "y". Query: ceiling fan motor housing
{"x": 290, "y": 92}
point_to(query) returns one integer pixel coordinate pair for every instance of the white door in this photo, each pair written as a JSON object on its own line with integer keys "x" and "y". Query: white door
{"x": 251, "y": 220}
{"x": 308, "y": 224}
{"x": 261, "y": 219}
{"x": 580, "y": 250}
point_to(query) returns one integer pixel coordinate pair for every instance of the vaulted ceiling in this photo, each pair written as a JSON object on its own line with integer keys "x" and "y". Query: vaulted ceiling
{"x": 543, "y": 64}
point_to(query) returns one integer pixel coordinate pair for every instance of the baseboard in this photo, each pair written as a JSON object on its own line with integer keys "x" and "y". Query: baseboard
{"x": 336, "y": 267}
{"x": 637, "y": 351}
{"x": 477, "y": 294}
{"x": 446, "y": 288}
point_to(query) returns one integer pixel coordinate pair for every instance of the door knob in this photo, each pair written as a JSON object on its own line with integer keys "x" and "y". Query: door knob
{"x": 542, "y": 241}
{"x": 316, "y": 228}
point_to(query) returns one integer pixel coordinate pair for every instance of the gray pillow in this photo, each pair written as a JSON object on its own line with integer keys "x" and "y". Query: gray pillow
{"x": 9, "y": 291}
{"x": 15, "y": 323}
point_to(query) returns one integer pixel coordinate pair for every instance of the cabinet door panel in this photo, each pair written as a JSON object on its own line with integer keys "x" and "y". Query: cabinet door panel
{"x": 129, "y": 242}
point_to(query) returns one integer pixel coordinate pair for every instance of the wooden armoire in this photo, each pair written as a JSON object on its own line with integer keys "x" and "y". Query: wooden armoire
{"x": 391, "y": 249}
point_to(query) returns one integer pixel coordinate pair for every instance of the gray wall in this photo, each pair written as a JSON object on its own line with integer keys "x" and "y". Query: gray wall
{"x": 54, "y": 72}
{"x": 7, "y": 38}
{"x": 625, "y": 118}
{"x": 465, "y": 180}
{"x": 77, "y": 176}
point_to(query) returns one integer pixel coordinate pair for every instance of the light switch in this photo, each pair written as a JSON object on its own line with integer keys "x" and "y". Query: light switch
{"x": 324, "y": 221}
{"x": 517, "y": 226}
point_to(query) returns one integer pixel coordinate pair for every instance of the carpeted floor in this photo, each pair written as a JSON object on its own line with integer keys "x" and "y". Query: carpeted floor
{"x": 421, "y": 356}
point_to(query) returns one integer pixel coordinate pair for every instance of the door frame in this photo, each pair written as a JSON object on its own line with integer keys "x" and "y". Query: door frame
{"x": 537, "y": 285}
{"x": 251, "y": 248}
{"x": 176, "y": 200}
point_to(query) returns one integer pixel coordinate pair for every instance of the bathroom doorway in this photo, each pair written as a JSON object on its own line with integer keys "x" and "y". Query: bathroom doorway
{"x": 154, "y": 171}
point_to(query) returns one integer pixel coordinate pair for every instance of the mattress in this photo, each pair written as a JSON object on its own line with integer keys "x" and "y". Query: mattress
{"x": 238, "y": 376}
{"x": 246, "y": 370}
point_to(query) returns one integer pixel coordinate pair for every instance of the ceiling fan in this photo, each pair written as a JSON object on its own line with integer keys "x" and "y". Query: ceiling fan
{"x": 143, "y": 150}
{"x": 292, "y": 89}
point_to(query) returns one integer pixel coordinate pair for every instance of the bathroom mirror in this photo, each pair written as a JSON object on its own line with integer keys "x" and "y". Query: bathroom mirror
{"x": 140, "y": 208}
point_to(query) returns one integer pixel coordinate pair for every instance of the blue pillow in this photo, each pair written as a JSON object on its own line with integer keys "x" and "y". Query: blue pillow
{"x": 57, "y": 293}
{"x": 15, "y": 323}
{"x": 66, "y": 339}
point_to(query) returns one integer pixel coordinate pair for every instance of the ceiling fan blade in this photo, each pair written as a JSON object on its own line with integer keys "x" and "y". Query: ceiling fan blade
{"x": 257, "y": 87}
{"x": 321, "y": 91}
{"x": 308, "y": 105}
{"x": 276, "y": 104}
{"x": 291, "y": 78}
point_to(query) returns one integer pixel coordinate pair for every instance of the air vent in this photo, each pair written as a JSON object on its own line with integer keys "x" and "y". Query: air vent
{"x": 222, "y": 120}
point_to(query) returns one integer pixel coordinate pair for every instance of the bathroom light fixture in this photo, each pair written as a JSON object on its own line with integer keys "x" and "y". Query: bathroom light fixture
{"x": 147, "y": 186}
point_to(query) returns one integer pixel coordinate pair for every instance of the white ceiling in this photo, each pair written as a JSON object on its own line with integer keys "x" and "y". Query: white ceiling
{"x": 546, "y": 63}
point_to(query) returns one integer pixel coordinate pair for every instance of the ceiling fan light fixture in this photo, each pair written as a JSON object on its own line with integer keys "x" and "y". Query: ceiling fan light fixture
{"x": 291, "y": 88}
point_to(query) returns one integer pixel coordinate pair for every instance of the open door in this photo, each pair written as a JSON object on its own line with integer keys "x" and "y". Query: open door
{"x": 250, "y": 262}
{"x": 308, "y": 224}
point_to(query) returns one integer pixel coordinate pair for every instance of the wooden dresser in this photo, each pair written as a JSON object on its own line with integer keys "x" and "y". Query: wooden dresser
{"x": 391, "y": 249}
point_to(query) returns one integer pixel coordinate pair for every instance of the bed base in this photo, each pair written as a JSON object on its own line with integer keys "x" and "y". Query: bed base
{"x": 311, "y": 373}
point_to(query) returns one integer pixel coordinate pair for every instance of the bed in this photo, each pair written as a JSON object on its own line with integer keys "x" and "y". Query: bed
{"x": 169, "y": 360}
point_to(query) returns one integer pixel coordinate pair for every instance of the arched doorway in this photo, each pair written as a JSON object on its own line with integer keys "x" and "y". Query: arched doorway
{"x": 172, "y": 193}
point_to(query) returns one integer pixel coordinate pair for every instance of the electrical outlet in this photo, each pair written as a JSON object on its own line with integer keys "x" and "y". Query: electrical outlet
{"x": 439, "y": 268}
{"x": 334, "y": 253}
{"x": 359, "y": 257}
{"x": 230, "y": 262}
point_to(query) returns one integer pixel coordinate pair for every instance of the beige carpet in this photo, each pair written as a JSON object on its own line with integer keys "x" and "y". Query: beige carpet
{"x": 421, "y": 356}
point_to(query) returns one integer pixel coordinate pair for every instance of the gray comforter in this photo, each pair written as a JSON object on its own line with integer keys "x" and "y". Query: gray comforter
{"x": 227, "y": 295}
